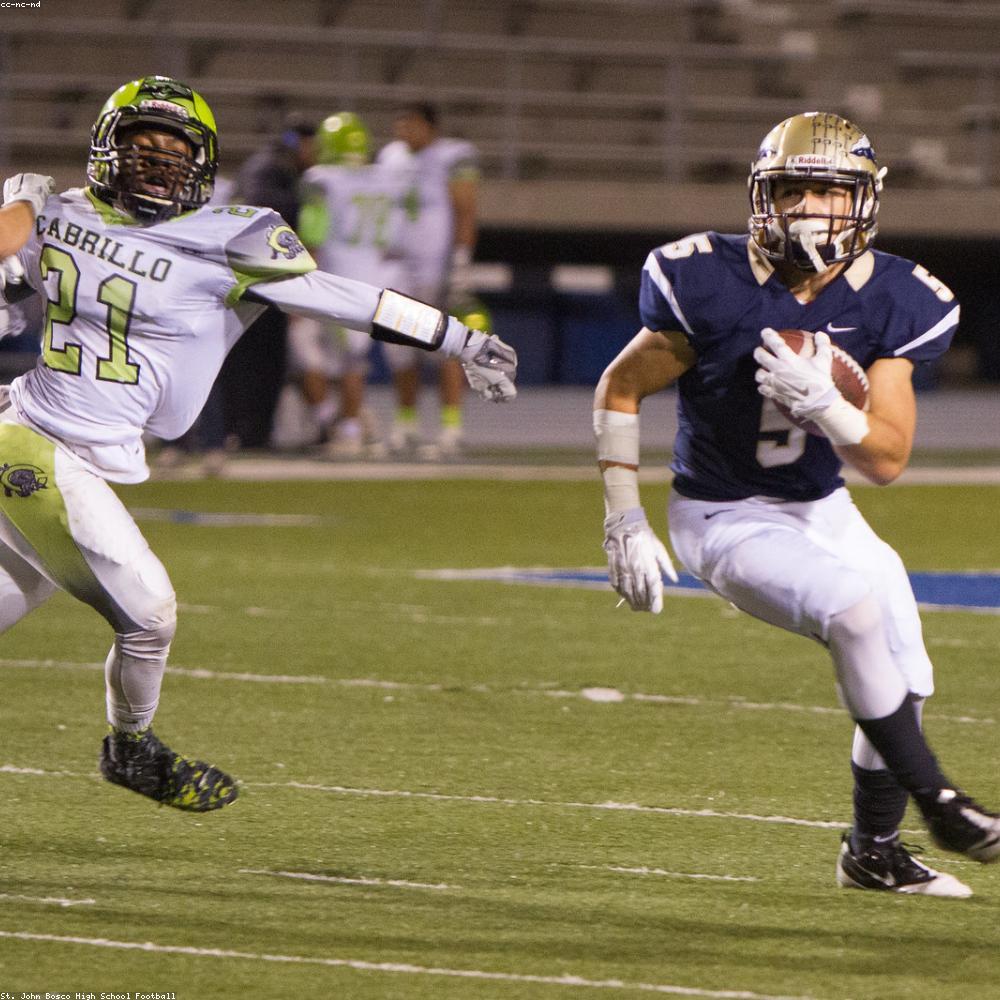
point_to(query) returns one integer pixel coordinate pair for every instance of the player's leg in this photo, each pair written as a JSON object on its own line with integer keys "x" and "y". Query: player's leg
{"x": 23, "y": 586}
{"x": 83, "y": 539}
{"x": 310, "y": 358}
{"x": 451, "y": 390}
{"x": 130, "y": 587}
{"x": 404, "y": 363}
{"x": 766, "y": 559}
{"x": 351, "y": 348}
{"x": 872, "y": 854}
{"x": 879, "y": 799}
{"x": 451, "y": 380}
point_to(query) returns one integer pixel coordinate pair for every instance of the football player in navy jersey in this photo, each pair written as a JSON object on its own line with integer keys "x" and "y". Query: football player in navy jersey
{"x": 758, "y": 510}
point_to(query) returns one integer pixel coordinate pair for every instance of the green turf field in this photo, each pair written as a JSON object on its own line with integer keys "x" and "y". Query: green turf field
{"x": 430, "y": 807}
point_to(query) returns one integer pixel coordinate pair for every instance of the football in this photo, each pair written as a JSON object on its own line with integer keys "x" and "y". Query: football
{"x": 848, "y": 376}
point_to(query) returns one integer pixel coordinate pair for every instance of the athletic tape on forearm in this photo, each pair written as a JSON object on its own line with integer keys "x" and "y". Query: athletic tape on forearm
{"x": 617, "y": 436}
{"x": 843, "y": 423}
{"x": 621, "y": 489}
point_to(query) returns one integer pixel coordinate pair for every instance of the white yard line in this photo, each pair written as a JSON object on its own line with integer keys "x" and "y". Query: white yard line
{"x": 399, "y": 793}
{"x": 596, "y": 695}
{"x": 399, "y": 968}
{"x": 402, "y": 793}
{"x": 41, "y": 773}
{"x": 632, "y": 807}
{"x": 665, "y": 874}
{"x": 48, "y": 900}
{"x": 227, "y": 519}
{"x": 345, "y": 880}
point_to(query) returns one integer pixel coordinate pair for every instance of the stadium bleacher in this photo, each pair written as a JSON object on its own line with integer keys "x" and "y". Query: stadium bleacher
{"x": 670, "y": 90}
{"x": 619, "y": 116}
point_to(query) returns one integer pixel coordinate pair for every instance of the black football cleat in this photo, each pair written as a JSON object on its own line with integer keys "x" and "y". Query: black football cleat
{"x": 957, "y": 823}
{"x": 892, "y": 868}
{"x": 140, "y": 762}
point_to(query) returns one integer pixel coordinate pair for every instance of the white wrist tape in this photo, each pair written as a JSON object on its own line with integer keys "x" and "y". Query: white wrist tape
{"x": 401, "y": 320}
{"x": 843, "y": 423}
{"x": 455, "y": 338}
{"x": 621, "y": 489}
{"x": 617, "y": 436}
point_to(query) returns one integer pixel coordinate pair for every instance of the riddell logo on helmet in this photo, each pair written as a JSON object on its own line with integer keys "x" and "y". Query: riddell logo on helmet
{"x": 809, "y": 160}
{"x": 168, "y": 106}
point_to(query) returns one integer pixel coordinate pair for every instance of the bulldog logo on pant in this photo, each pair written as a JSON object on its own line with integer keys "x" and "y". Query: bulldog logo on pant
{"x": 22, "y": 480}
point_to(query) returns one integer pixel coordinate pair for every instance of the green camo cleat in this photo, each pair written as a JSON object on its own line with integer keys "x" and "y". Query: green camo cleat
{"x": 140, "y": 762}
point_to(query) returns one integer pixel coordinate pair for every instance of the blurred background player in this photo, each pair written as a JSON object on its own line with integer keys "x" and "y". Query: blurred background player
{"x": 352, "y": 218}
{"x": 440, "y": 241}
{"x": 254, "y": 372}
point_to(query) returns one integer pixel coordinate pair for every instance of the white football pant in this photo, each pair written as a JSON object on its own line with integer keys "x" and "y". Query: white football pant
{"x": 819, "y": 570}
{"x": 63, "y": 527}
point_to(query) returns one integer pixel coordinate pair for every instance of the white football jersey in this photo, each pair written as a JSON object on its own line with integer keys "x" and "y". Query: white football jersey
{"x": 139, "y": 319}
{"x": 366, "y": 216}
{"x": 431, "y": 234}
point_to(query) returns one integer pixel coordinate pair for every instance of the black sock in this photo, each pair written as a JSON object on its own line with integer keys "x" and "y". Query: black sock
{"x": 879, "y": 804}
{"x": 902, "y": 746}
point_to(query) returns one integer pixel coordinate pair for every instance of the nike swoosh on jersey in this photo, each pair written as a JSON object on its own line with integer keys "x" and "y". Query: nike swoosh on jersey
{"x": 839, "y": 329}
{"x": 715, "y": 513}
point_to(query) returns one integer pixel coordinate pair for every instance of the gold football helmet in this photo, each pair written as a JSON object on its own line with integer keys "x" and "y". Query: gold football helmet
{"x": 829, "y": 149}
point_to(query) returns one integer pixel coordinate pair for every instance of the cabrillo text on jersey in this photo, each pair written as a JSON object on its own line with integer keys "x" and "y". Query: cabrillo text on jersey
{"x": 104, "y": 247}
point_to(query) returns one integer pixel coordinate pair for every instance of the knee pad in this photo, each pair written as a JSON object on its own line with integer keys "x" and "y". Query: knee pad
{"x": 856, "y": 621}
{"x": 845, "y": 596}
{"x": 150, "y": 643}
{"x": 871, "y": 684}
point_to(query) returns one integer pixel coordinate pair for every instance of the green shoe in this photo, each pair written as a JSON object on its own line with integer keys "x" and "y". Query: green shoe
{"x": 139, "y": 761}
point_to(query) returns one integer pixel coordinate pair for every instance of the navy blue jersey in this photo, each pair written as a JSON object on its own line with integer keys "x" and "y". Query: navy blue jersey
{"x": 731, "y": 443}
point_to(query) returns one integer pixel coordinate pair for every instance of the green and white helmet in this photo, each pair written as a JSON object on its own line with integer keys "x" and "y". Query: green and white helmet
{"x": 343, "y": 138}
{"x": 153, "y": 184}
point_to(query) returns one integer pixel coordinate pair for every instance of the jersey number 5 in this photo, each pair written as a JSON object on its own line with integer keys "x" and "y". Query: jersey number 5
{"x": 116, "y": 292}
{"x": 779, "y": 442}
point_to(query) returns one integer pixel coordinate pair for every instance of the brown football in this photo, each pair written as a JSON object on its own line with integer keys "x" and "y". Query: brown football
{"x": 848, "y": 376}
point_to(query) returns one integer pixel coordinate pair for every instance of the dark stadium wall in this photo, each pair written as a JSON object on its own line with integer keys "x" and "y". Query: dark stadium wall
{"x": 569, "y": 338}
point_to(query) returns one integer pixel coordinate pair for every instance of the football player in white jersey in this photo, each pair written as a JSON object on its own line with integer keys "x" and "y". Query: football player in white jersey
{"x": 759, "y": 511}
{"x": 439, "y": 245}
{"x": 352, "y": 219}
{"x": 146, "y": 287}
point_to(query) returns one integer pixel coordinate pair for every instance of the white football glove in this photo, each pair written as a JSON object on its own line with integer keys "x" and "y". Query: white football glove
{"x": 806, "y": 387}
{"x": 11, "y": 273}
{"x": 803, "y": 384}
{"x": 32, "y": 188}
{"x": 490, "y": 366}
{"x": 637, "y": 560}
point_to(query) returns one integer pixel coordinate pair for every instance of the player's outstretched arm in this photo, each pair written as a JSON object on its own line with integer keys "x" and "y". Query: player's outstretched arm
{"x": 637, "y": 559}
{"x": 23, "y": 198}
{"x": 490, "y": 365}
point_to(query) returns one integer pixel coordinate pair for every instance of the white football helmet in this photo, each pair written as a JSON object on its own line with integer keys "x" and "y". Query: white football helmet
{"x": 823, "y": 147}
